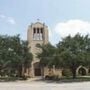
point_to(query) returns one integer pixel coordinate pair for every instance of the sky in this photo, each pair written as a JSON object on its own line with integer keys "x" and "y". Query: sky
{"x": 63, "y": 17}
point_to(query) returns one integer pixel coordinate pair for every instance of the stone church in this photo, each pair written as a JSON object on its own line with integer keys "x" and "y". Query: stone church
{"x": 38, "y": 34}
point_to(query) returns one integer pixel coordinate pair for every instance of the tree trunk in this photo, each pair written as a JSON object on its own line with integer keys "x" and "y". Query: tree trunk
{"x": 22, "y": 70}
{"x": 74, "y": 73}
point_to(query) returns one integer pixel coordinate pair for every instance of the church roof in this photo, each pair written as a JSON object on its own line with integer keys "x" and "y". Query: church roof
{"x": 38, "y": 22}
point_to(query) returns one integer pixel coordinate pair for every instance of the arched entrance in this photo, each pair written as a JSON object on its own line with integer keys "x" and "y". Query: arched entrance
{"x": 37, "y": 69}
{"x": 82, "y": 71}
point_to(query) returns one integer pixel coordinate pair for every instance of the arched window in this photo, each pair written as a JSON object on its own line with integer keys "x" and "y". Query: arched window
{"x": 34, "y": 30}
{"x": 37, "y": 30}
{"x": 41, "y": 30}
{"x": 41, "y": 34}
{"x": 34, "y": 33}
{"x": 37, "y": 33}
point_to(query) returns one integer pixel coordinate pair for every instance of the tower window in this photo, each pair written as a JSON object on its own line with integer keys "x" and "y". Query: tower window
{"x": 34, "y": 30}
{"x": 37, "y": 30}
{"x": 37, "y": 33}
{"x": 41, "y": 30}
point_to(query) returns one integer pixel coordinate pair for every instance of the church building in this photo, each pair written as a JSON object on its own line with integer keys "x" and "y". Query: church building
{"x": 37, "y": 34}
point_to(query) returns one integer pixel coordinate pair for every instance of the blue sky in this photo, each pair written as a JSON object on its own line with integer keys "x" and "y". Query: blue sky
{"x": 60, "y": 15}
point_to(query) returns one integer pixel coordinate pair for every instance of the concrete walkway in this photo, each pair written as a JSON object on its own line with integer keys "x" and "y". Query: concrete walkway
{"x": 37, "y": 84}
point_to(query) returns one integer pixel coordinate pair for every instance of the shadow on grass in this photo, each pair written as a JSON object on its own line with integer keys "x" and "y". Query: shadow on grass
{"x": 10, "y": 79}
{"x": 65, "y": 80}
{"x": 59, "y": 80}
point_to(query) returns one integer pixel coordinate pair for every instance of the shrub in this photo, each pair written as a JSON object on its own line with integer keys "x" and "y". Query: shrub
{"x": 54, "y": 77}
{"x": 66, "y": 72}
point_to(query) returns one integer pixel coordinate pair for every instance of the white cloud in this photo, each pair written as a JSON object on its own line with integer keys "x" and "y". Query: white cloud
{"x": 7, "y": 19}
{"x": 72, "y": 27}
{"x": 50, "y": 32}
{"x": 11, "y": 20}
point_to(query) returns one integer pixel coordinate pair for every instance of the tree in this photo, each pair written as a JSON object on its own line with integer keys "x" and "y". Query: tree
{"x": 72, "y": 51}
{"x": 87, "y": 50}
{"x": 27, "y": 56}
{"x": 49, "y": 56}
{"x": 13, "y": 54}
{"x": 46, "y": 54}
{"x": 8, "y": 53}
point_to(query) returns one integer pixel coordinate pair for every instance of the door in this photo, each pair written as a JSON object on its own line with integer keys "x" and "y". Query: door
{"x": 37, "y": 72}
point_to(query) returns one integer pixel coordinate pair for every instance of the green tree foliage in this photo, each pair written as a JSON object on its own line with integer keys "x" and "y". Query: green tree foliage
{"x": 13, "y": 54}
{"x": 69, "y": 53}
{"x": 49, "y": 56}
{"x": 74, "y": 52}
{"x": 46, "y": 56}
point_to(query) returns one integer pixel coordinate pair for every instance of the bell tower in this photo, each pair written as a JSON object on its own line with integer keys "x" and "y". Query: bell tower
{"x": 37, "y": 34}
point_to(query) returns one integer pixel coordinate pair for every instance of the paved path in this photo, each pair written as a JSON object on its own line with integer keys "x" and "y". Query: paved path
{"x": 40, "y": 85}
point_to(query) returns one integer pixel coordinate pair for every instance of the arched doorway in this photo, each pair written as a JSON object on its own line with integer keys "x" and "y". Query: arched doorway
{"x": 37, "y": 69}
{"x": 82, "y": 71}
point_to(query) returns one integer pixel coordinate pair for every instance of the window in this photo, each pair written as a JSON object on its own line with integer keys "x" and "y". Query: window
{"x": 34, "y": 30}
{"x": 37, "y": 33}
{"x": 41, "y": 30}
{"x": 37, "y": 30}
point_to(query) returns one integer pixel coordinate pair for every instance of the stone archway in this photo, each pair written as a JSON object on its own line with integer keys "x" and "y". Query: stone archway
{"x": 37, "y": 69}
{"x": 81, "y": 71}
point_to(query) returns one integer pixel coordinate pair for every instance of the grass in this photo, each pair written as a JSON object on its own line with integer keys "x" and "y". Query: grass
{"x": 58, "y": 80}
{"x": 70, "y": 79}
{"x": 8, "y": 79}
